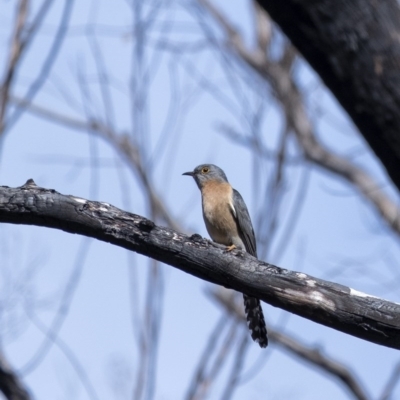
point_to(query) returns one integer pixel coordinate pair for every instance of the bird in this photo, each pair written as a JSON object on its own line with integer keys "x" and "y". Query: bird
{"x": 228, "y": 223}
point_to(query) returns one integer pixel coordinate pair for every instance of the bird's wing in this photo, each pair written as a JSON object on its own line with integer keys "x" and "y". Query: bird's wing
{"x": 242, "y": 217}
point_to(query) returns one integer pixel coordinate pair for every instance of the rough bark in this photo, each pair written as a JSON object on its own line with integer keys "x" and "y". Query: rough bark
{"x": 354, "y": 46}
{"x": 324, "y": 302}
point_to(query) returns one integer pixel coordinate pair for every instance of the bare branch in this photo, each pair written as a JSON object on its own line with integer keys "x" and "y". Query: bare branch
{"x": 204, "y": 386}
{"x": 237, "y": 367}
{"x": 324, "y": 302}
{"x": 52, "y": 332}
{"x": 209, "y": 350}
{"x": 16, "y": 48}
{"x": 49, "y": 60}
{"x": 55, "y": 338}
{"x": 263, "y": 29}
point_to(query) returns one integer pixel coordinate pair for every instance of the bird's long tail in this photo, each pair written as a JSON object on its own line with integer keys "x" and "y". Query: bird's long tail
{"x": 255, "y": 320}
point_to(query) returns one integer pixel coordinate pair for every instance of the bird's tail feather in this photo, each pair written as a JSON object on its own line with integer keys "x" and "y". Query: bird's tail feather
{"x": 255, "y": 320}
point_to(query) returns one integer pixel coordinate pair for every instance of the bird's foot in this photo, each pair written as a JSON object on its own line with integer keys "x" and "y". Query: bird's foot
{"x": 230, "y": 248}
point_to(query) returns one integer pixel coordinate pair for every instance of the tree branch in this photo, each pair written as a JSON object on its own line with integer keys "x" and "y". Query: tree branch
{"x": 324, "y": 302}
{"x": 16, "y": 49}
{"x": 354, "y": 47}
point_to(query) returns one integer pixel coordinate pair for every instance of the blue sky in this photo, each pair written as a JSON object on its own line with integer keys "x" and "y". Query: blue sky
{"x": 337, "y": 237}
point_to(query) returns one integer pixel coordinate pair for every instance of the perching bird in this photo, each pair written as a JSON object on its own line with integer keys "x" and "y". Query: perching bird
{"x": 228, "y": 222}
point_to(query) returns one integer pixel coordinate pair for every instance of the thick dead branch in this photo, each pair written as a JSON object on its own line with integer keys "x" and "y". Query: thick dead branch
{"x": 354, "y": 47}
{"x": 324, "y": 302}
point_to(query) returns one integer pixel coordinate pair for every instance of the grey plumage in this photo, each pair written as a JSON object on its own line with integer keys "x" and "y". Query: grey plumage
{"x": 246, "y": 231}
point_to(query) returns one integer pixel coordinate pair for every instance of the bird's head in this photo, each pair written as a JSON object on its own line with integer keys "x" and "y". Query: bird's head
{"x": 207, "y": 172}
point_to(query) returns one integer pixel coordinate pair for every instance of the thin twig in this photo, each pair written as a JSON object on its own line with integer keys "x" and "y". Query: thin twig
{"x": 237, "y": 366}
{"x": 120, "y": 141}
{"x": 200, "y": 372}
{"x": 391, "y": 384}
{"x": 62, "y": 311}
{"x": 47, "y": 64}
{"x": 16, "y": 49}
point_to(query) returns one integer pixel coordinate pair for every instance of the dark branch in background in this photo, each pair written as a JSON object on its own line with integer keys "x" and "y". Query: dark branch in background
{"x": 312, "y": 355}
{"x": 354, "y": 47}
{"x": 10, "y": 385}
{"x": 324, "y": 302}
{"x": 278, "y": 75}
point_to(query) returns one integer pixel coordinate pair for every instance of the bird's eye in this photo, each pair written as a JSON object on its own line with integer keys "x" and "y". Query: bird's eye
{"x": 204, "y": 170}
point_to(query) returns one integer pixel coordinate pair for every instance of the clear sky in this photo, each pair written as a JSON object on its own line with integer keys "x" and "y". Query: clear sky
{"x": 337, "y": 236}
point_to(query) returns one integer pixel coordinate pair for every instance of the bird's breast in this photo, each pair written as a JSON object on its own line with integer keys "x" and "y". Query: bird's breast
{"x": 217, "y": 213}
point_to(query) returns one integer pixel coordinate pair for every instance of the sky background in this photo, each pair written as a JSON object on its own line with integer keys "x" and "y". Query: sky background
{"x": 337, "y": 236}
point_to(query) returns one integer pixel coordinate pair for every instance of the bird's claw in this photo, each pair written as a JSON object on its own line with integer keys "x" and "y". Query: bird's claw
{"x": 230, "y": 248}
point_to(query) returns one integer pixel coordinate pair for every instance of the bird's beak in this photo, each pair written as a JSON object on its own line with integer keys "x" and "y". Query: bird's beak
{"x": 189, "y": 173}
